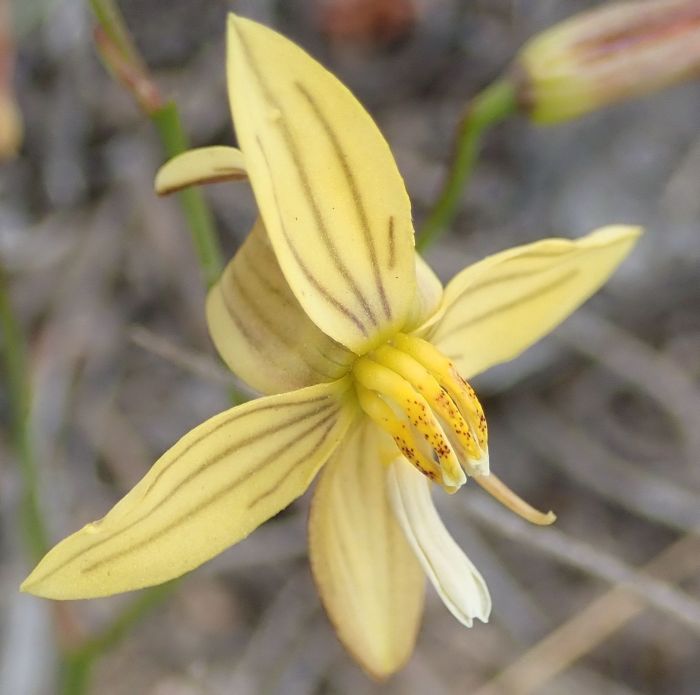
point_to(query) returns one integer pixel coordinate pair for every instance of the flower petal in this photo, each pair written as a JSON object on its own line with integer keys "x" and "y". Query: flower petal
{"x": 210, "y": 490}
{"x": 202, "y": 165}
{"x": 333, "y": 202}
{"x": 461, "y": 587}
{"x": 261, "y": 330}
{"x": 495, "y": 309}
{"x": 427, "y": 298}
{"x": 368, "y": 578}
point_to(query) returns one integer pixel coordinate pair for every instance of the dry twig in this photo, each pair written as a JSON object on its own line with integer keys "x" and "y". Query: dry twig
{"x": 575, "y": 553}
{"x": 591, "y": 626}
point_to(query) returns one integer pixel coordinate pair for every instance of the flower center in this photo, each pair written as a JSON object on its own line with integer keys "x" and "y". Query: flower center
{"x": 415, "y": 394}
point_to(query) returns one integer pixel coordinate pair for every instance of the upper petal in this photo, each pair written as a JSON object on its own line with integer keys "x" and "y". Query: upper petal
{"x": 459, "y": 584}
{"x": 495, "y": 309}
{"x": 367, "y": 575}
{"x": 333, "y": 202}
{"x": 210, "y": 490}
{"x": 260, "y": 329}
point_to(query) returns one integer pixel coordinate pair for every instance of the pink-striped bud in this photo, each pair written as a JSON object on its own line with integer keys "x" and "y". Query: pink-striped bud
{"x": 607, "y": 55}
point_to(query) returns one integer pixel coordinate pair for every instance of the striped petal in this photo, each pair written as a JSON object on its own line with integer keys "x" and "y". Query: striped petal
{"x": 459, "y": 584}
{"x": 495, "y": 309}
{"x": 203, "y": 165}
{"x": 329, "y": 192}
{"x": 261, "y": 330}
{"x": 210, "y": 490}
{"x": 367, "y": 575}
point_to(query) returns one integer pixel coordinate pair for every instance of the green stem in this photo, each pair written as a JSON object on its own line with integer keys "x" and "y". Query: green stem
{"x": 198, "y": 215}
{"x": 494, "y": 104}
{"x": 78, "y": 664}
{"x": 14, "y": 355}
{"x": 109, "y": 18}
{"x": 127, "y": 66}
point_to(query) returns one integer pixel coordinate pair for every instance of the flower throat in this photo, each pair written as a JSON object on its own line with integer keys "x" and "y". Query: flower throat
{"x": 414, "y": 393}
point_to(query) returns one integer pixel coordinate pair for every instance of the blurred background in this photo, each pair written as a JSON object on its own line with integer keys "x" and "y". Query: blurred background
{"x": 600, "y": 422}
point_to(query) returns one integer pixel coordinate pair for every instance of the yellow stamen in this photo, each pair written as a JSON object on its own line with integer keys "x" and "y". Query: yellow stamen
{"x": 447, "y": 375}
{"x": 386, "y": 382}
{"x": 500, "y": 491}
{"x": 435, "y": 394}
{"x": 383, "y": 416}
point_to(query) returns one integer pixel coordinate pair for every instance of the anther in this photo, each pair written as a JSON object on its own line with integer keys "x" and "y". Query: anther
{"x": 388, "y": 384}
{"x": 424, "y": 386}
{"x": 445, "y": 373}
{"x": 381, "y": 413}
{"x": 442, "y": 404}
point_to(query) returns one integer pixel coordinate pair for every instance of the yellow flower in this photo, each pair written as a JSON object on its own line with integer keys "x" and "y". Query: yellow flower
{"x": 327, "y": 310}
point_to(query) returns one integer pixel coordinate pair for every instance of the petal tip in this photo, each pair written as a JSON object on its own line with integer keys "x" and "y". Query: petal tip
{"x": 381, "y": 672}
{"x": 160, "y": 184}
{"x": 39, "y": 583}
{"x": 197, "y": 166}
{"x": 235, "y": 26}
{"x": 236, "y": 23}
{"x": 485, "y": 616}
{"x": 617, "y": 232}
{"x": 33, "y": 586}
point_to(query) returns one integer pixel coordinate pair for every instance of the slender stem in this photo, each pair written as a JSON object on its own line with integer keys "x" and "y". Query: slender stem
{"x": 109, "y": 18}
{"x": 78, "y": 664}
{"x": 15, "y": 359}
{"x": 123, "y": 60}
{"x": 490, "y": 106}
{"x": 199, "y": 217}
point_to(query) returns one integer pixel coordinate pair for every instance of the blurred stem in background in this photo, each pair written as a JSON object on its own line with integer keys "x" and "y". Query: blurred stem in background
{"x": 19, "y": 395}
{"x": 492, "y": 105}
{"x": 34, "y": 535}
{"x": 78, "y": 663}
{"x": 122, "y": 59}
{"x": 199, "y": 218}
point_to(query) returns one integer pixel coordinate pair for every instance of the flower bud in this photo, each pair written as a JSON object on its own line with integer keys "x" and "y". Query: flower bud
{"x": 607, "y": 55}
{"x": 11, "y": 128}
